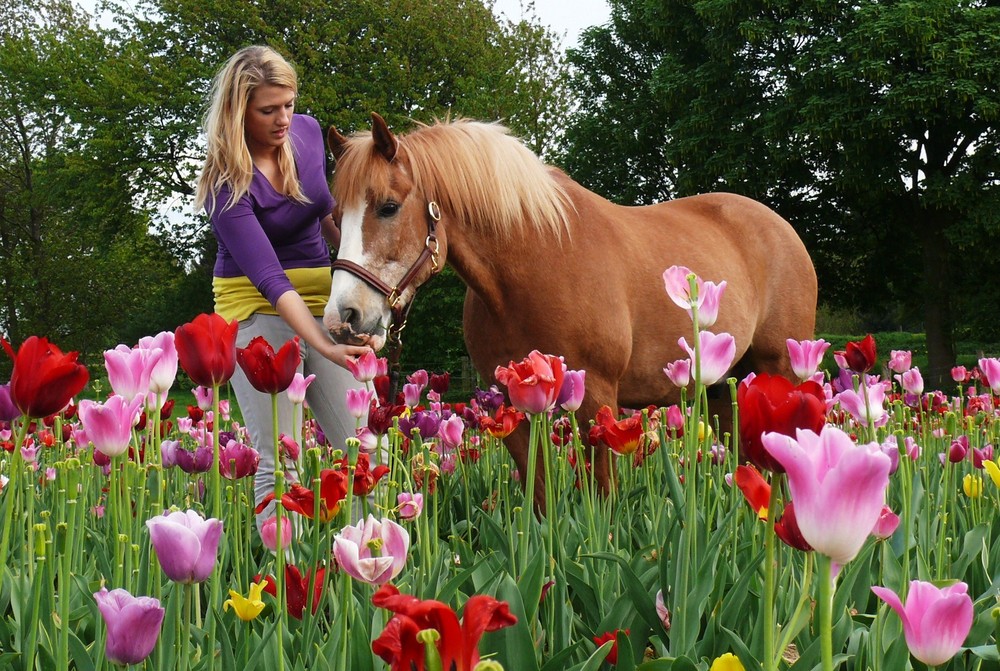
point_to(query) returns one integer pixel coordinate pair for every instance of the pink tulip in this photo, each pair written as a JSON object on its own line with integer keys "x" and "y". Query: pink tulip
{"x": 911, "y": 381}
{"x": 128, "y": 371}
{"x": 186, "y": 544}
{"x": 533, "y": 384}
{"x": 109, "y": 426}
{"x": 900, "y": 360}
{"x": 409, "y": 505}
{"x": 661, "y": 610}
{"x": 886, "y": 525}
{"x": 959, "y": 374}
{"x": 709, "y": 294}
{"x": 679, "y": 372}
{"x": 717, "y": 354}
{"x": 369, "y": 441}
{"x": 870, "y": 413}
{"x": 162, "y": 360}
{"x": 203, "y": 397}
{"x": 297, "y": 389}
{"x": 806, "y": 356}
{"x": 133, "y": 625}
{"x": 450, "y": 431}
{"x": 269, "y": 533}
{"x": 371, "y": 551}
{"x": 419, "y": 377}
{"x": 838, "y": 487}
{"x": 411, "y": 394}
{"x": 935, "y": 620}
{"x": 364, "y": 368}
{"x": 990, "y": 368}
{"x": 358, "y": 401}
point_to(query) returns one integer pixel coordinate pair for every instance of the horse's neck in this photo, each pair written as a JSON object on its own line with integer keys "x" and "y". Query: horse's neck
{"x": 475, "y": 257}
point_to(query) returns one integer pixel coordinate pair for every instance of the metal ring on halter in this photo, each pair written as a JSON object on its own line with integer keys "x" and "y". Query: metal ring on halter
{"x": 434, "y": 211}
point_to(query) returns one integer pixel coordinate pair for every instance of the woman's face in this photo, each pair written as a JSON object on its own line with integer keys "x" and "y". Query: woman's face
{"x": 268, "y": 115}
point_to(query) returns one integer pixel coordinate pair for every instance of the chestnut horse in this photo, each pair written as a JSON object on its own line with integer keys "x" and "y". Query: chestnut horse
{"x": 553, "y": 267}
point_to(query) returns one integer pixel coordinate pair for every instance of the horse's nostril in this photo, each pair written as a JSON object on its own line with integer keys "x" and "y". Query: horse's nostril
{"x": 348, "y": 316}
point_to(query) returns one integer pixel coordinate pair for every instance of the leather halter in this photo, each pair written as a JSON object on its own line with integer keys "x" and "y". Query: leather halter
{"x": 393, "y": 294}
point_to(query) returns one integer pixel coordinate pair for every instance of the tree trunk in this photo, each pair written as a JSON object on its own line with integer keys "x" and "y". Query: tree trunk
{"x": 937, "y": 300}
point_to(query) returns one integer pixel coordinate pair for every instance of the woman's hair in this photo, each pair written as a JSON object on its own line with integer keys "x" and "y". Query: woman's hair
{"x": 228, "y": 160}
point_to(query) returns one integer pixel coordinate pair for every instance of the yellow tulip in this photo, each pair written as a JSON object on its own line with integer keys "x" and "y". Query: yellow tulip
{"x": 994, "y": 470}
{"x": 973, "y": 486}
{"x": 246, "y": 608}
{"x": 727, "y": 662}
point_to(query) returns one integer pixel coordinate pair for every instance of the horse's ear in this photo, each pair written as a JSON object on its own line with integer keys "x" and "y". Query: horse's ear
{"x": 336, "y": 142}
{"x": 385, "y": 141}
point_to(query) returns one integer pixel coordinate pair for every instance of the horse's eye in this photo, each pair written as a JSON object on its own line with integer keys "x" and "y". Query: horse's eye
{"x": 387, "y": 209}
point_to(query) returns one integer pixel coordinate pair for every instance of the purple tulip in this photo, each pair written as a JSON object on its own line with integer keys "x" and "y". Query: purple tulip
{"x": 838, "y": 487}
{"x": 935, "y": 620}
{"x": 109, "y": 425}
{"x": 198, "y": 460}
{"x": 133, "y": 625}
{"x": 488, "y": 400}
{"x": 8, "y": 411}
{"x": 806, "y": 356}
{"x": 186, "y": 544}
{"x": 371, "y": 551}
{"x": 571, "y": 393}
{"x": 237, "y": 460}
{"x": 425, "y": 422}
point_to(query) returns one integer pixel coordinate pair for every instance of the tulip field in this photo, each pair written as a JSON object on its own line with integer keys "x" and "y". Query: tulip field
{"x": 844, "y": 519}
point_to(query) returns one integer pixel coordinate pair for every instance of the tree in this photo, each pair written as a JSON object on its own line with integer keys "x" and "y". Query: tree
{"x": 77, "y": 257}
{"x": 871, "y": 126}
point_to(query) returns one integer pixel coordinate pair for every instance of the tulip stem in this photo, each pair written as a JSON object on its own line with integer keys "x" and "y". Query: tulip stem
{"x": 825, "y": 606}
{"x": 769, "y": 570}
{"x": 14, "y": 486}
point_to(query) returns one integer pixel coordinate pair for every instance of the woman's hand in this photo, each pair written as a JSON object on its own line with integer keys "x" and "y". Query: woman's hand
{"x": 339, "y": 353}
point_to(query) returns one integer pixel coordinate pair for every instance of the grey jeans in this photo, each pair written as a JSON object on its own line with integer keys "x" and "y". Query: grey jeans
{"x": 326, "y": 397}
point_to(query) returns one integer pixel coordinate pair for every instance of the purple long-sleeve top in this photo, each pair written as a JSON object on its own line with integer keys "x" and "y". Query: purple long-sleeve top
{"x": 265, "y": 233}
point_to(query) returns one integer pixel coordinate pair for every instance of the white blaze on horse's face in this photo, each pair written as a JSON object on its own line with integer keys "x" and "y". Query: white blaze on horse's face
{"x": 353, "y": 309}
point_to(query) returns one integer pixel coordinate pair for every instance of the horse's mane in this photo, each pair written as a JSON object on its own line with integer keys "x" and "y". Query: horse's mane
{"x": 475, "y": 170}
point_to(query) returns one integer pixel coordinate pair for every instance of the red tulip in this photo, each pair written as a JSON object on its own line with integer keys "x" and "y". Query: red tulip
{"x": 267, "y": 371}
{"x": 533, "y": 383}
{"x": 860, "y": 355}
{"x": 503, "y": 423}
{"x": 773, "y": 403}
{"x": 365, "y": 477}
{"x": 206, "y": 349}
{"x": 440, "y": 382}
{"x": 758, "y": 494}
{"x": 458, "y": 644}
{"x": 297, "y": 589}
{"x": 44, "y": 379}
{"x": 302, "y": 500}
{"x": 622, "y": 436}
{"x": 612, "y": 657}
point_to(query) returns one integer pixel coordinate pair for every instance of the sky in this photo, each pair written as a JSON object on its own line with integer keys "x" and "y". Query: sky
{"x": 568, "y": 18}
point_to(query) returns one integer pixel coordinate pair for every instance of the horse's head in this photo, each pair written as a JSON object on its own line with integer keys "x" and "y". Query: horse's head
{"x": 390, "y": 242}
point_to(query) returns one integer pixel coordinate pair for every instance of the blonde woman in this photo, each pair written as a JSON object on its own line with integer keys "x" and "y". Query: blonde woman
{"x": 264, "y": 188}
